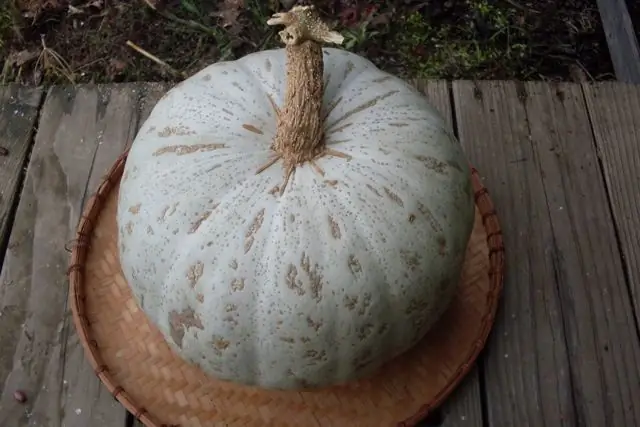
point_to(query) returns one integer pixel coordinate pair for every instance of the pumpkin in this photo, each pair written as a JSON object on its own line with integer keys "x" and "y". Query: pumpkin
{"x": 296, "y": 217}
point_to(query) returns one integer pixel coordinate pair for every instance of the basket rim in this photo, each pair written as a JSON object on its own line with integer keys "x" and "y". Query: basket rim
{"x": 80, "y": 247}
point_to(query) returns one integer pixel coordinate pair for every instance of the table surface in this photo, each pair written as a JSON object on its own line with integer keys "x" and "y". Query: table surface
{"x": 562, "y": 164}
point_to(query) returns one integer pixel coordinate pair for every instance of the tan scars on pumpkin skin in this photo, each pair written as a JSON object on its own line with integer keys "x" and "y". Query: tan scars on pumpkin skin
{"x": 294, "y": 218}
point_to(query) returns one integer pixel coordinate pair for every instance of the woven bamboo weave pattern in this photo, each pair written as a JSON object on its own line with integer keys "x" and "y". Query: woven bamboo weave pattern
{"x": 138, "y": 367}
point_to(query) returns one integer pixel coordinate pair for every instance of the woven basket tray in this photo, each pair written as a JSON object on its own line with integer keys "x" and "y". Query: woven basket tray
{"x": 132, "y": 360}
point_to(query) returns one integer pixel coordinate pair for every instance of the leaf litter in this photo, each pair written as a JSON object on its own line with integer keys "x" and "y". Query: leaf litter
{"x": 92, "y": 40}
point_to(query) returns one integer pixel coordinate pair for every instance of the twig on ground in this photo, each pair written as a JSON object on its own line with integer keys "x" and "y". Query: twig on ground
{"x": 155, "y": 59}
{"x": 151, "y": 4}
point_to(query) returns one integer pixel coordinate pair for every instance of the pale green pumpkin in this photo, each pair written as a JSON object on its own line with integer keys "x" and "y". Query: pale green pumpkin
{"x": 317, "y": 282}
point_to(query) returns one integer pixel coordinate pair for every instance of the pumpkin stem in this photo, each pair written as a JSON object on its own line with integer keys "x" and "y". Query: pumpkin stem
{"x": 299, "y": 132}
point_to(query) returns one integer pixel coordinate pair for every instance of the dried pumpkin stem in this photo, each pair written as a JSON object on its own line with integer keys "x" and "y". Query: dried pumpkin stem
{"x": 300, "y": 131}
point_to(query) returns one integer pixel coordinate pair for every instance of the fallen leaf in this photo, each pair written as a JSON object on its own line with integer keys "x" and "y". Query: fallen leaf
{"x": 116, "y": 68}
{"x": 349, "y": 17}
{"x": 229, "y": 12}
{"x": 117, "y": 65}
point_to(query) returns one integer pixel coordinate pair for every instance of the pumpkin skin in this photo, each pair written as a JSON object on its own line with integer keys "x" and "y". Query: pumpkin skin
{"x": 322, "y": 284}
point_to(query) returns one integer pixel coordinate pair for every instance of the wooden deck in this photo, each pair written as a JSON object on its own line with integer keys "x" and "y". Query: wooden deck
{"x": 561, "y": 161}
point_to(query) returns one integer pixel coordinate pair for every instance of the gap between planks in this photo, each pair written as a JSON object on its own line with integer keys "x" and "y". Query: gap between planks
{"x": 615, "y": 117}
{"x": 19, "y": 108}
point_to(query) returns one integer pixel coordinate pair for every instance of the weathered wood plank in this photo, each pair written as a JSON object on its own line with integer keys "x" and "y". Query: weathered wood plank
{"x": 574, "y": 282}
{"x": 464, "y": 407}
{"x": 127, "y": 108}
{"x": 86, "y": 401}
{"x": 604, "y": 349}
{"x": 34, "y": 299}
{"x": 526, "y": 368}
{"x": 615, "y": 116}
{"x": 19, "y": 108}
{"x": 621, "y": 39}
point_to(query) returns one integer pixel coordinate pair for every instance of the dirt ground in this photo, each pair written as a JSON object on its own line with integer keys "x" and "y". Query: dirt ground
{"x": 52, "y": 41}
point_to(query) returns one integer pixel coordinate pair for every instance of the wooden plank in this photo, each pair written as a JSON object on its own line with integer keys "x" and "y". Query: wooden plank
{"x": 73, "y": 123}
{"x": 526, "y": 368}
{"x": 464, "y": 407}
{"x": 85, "y": 400}
{"x": 19, "y": 108}
{"x": 615, "y": 116}
{"x": 569, "y": 278}
{"x": 128, "y": 107}
{"x": 621, "y": 39}
{"x": 604, "y": 349}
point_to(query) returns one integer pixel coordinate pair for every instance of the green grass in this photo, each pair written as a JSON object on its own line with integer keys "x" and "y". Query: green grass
{"x": 434, "y": 51}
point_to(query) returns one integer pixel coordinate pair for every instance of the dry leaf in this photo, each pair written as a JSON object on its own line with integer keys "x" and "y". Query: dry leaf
{"x": 116, "y": 67}
{"x": 349, "y": 17}
{"x": 229, "y": 12}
